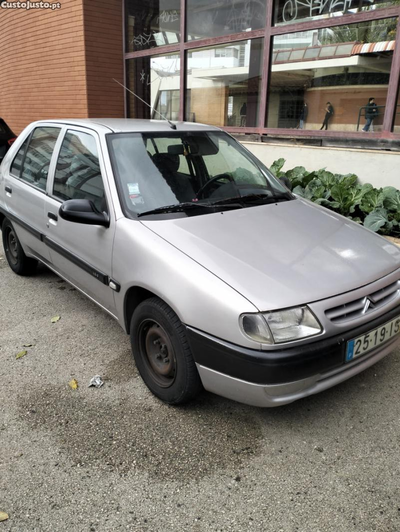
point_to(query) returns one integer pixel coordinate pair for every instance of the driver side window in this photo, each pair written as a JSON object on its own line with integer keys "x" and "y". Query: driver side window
{"x": 31, "y": 164}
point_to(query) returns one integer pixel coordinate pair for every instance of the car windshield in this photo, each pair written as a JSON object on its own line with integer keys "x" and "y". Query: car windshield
{"x": 176, "y": 171}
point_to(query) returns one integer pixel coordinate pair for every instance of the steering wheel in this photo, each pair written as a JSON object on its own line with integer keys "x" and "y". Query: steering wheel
{"x": 215, "y": 179}
{"x": 41, "y": 170}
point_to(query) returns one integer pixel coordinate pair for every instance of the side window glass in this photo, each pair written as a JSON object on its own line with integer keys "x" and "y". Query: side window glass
{"x": 36, "y": 161}
{"x": 77, "y": 173}
{"x": 17, "y": 162}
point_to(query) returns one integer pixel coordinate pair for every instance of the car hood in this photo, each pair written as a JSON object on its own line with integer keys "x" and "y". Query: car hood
{"x": 282, "y": 255}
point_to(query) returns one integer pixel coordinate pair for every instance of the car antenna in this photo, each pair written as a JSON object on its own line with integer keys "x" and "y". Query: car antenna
{"x": 172, "y": 126}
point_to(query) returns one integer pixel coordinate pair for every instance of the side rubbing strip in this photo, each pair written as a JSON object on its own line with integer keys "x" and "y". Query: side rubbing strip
{"x": 19, "y": 222}
{"x": 102, "y": 277}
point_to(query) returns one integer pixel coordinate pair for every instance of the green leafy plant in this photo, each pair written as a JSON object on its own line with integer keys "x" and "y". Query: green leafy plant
{"x": 378, "y": 209}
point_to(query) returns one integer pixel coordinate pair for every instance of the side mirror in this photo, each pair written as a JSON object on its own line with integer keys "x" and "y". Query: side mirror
{"x": 286, "y": 181}
{"x": 83, "y": 211}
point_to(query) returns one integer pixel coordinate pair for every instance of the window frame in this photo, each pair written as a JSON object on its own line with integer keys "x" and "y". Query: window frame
{"x": 50, "y": 182}
{"x": 268, "y": 32}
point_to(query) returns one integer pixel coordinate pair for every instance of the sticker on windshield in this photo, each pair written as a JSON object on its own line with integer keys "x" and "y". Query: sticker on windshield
{"x": 133, "y": 189}
{"x": 134, "y": 193}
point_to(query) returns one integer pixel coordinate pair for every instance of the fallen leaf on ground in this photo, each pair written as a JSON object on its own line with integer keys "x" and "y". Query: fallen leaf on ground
{"x": 55, "y": 319}
{"x": 27, "y": 345}
{"x": 73, "y": 384}
{"x": 3, "y": 516}
{"x": 21, "y": 354}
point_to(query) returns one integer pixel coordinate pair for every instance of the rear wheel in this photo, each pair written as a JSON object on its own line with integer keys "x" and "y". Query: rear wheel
{"x": 16, "y": 258}
{"x": 162, "y": 353}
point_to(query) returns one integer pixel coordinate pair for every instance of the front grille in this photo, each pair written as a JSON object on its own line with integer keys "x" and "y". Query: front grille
{"x": 364, "y": 305}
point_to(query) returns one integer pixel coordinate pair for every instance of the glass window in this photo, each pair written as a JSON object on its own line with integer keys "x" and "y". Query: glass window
{"x": 287, "y": 11}
{"x": 283, "y": 56}
{"x": 156, "y": 81}
{"x": 33, "y": 164}
{"x": 327, "y": 51}
{"x": 330, "y": 85}
{"x": 296, "y": 54}
{"x": 344, "y": 49}
{"x": 206, "y": 18}
{"x": 224, "y": 90}
{"x": 151, "y": 23}
{"x": 311, "y": 53}
{"x": 194, "y": 168}
{"x": 77, "y": 173}
{"x": 17, "y": 162}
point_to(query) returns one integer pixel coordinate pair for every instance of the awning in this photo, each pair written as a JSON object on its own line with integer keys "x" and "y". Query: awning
{"x": 373, "y": 47}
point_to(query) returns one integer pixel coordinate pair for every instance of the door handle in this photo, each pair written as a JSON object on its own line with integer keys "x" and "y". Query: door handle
{"x": 52, "y": 216}
{"x": 8, "y": 189}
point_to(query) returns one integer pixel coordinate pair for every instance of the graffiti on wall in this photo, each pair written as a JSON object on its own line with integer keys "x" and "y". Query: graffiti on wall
{"x": 168, "y": 16}
{"x": 148, "y": 39}
{"x": 314, "y": 8}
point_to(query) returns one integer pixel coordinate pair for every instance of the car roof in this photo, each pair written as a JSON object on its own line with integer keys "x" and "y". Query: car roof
{"x": 124, "y": 125}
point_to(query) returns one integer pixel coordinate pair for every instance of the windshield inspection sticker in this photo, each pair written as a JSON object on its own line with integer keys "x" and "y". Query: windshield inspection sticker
{"x": 134, "y": 193}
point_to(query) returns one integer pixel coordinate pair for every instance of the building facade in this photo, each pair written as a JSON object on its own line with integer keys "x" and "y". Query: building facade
{"x": 58, "y": 63}
{"x": 271, "y": 68}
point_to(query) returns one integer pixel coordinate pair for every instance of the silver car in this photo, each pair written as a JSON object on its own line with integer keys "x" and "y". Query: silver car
{"x": 222, "y": 277}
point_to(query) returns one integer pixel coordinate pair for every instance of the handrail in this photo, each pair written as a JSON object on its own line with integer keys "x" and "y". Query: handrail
{"x": 360, "y": 114}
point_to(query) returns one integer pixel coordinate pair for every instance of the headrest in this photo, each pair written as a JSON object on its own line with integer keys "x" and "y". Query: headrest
{"x": 167, "y": 163}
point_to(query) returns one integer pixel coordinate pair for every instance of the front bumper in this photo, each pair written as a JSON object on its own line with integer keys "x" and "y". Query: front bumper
{"x": 277, "y": 377}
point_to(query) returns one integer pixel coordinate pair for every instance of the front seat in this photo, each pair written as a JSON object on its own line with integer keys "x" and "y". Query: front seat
{"x": 168, "y": 166}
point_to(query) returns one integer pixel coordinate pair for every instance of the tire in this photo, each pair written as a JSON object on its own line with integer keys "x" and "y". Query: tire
{"x": 16, "y": 258}
{"x": 162, "y": 353}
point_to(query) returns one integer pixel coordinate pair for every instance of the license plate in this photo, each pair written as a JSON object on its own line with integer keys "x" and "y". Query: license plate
{"x": 362, "y": 344}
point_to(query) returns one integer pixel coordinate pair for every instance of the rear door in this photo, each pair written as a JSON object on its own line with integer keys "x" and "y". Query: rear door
{"x": 81, "y": 253}
{"x": 25, "y": 189}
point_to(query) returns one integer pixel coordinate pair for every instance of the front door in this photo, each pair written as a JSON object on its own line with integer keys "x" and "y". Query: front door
{"x": 81, "y": 253}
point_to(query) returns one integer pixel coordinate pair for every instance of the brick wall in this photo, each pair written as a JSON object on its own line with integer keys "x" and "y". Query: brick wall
{"x": 59, "y": 64}
{"x": 42, "y": 64}
{"x": 104, "y": 57}
{"x": 347, "y": 102}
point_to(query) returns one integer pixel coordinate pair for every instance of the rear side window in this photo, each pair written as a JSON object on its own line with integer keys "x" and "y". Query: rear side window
{"x": 78, "y": 173}
{"x": 17, "y": 162}
{"x": 31, "y": 164}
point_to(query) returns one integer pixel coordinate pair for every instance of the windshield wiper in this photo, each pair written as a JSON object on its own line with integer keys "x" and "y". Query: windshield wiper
{"x": 250, "y": 198}
{"x": 177, "y": 207}
{"x": 233, "y": 203}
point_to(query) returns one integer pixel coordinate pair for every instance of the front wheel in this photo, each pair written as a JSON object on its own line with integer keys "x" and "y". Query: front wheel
{"x": 16, "y": 258}
{"x": 162, "y": 353}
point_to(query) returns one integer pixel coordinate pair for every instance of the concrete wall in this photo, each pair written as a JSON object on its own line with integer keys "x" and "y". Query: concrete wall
{"x": 380, "y": 168}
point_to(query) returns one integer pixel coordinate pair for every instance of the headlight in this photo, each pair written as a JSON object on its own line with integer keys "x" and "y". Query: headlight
{"x": 280, "y": 326}
{"x": 255, "y": 327}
